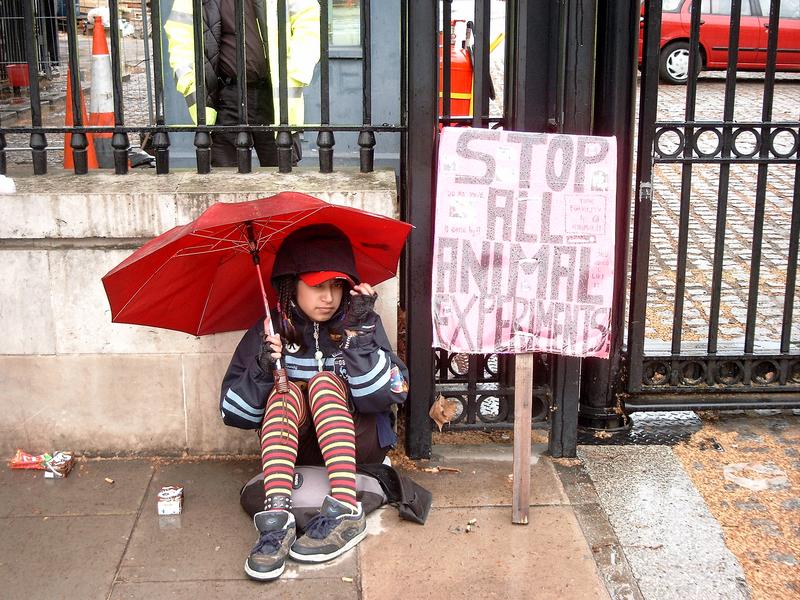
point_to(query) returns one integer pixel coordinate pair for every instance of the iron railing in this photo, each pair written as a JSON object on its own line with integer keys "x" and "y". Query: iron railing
{"x": 753, "y": 370}
{"x": 160, "y": 131}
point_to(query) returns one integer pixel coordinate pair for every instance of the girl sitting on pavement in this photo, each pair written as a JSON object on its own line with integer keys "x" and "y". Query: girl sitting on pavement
{"x": 344, "y": 379}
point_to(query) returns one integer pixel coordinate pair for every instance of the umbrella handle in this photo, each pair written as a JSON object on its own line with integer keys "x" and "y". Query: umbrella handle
{"x": 281, "y": 380}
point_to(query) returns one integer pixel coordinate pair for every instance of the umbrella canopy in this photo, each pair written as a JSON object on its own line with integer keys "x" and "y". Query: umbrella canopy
{"x": 200, "y": 278}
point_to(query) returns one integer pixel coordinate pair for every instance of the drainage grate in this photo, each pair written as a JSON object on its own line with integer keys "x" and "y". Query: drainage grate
{"x": 649, "y": 429}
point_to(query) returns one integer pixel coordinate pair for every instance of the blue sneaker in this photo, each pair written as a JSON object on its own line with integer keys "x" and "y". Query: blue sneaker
{"x": 331, "y": 533}
{"x": 277, "y": 532}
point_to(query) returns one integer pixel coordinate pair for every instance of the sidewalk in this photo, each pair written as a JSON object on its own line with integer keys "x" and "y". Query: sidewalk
{"x": 85, "y": 538}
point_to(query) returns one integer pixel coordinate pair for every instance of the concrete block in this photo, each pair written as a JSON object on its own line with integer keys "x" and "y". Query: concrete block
{"x": 207, "y": 434}
{"x": 26, "y": 312}
{"x": 98, "y": 404}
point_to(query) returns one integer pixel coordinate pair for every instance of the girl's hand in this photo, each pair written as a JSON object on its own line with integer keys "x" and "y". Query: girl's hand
{"x": 275, "y": 344}
{"x": 363, "y": 289}
{"x": 269, "y": 352}
{"x": 360, "y": 316}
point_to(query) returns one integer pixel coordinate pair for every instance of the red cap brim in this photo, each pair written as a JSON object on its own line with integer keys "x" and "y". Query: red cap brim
{"x": 313, "y": 278}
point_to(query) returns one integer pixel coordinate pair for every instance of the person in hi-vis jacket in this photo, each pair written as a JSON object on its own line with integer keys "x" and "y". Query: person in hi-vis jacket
{"x": 261, "y": 66}
{"x": 344, "y": 379}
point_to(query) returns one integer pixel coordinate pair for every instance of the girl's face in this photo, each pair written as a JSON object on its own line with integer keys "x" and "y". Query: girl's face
{"x": 320, "y": 302}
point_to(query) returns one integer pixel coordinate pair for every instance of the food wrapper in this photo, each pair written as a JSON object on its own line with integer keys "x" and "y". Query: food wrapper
{"x": 170, "y": 500}
{"x": 59, "y": 465}
{"x": 24, "y": 460}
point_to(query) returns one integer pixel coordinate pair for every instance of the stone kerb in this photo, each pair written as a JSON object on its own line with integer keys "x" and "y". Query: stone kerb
{"x": 70, "y": 377}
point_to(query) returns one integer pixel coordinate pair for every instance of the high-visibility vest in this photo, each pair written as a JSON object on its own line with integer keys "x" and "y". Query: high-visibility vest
{"x": 302, "y": 41}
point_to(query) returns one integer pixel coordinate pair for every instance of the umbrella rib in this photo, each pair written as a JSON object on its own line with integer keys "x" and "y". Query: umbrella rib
{"x": 263, "y": 241}
{"x": 205, "y": 306}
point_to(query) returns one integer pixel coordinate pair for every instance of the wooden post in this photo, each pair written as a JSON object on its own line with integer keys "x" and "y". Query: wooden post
{"x": 523, "y": 398}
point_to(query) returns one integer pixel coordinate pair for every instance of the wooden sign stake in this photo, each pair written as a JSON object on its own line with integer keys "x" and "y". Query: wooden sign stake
{"x": 523, "y": 399}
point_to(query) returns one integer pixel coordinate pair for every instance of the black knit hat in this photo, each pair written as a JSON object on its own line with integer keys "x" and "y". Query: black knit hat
{"x": 315, "y": 248}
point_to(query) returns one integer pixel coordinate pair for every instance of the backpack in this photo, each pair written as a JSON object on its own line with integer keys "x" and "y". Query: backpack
{"x": 376, "y": 485}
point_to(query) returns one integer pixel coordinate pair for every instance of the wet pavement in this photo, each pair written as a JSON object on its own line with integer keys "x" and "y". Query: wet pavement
{"x": 85, "y": 538}
{"x": 620, "y": 522}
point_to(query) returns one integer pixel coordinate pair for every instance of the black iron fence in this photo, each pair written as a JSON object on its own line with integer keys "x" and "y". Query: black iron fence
{"x": 27, "y": 23}
{"x": 744, "y": 349}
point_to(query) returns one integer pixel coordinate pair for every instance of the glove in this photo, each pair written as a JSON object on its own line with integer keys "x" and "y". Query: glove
{"x": 265, "y": 359}
{"x": 361, "y": 315}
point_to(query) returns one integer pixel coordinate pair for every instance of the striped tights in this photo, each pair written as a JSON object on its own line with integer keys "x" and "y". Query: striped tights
{"x": 285, "y": 413}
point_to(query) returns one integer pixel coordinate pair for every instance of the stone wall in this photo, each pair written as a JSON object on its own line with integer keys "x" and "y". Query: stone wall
{"x": 69, "y": 378}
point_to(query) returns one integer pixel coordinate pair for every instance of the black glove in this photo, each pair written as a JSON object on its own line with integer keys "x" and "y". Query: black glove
{"x": 265, "y": 359}
{"x": 361, "y": 315}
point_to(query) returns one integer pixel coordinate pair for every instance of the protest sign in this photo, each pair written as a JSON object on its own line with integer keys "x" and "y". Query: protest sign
{"x": 524, "y": 242}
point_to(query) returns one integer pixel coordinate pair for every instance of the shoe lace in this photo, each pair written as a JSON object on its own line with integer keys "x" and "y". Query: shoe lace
{"x": 269, "y": 541}
{"x": 320, "y": 526}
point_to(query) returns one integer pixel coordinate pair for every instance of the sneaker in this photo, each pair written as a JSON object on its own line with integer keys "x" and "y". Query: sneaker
{"x": 277, "y": 533}
{"x": 331, "y": 533}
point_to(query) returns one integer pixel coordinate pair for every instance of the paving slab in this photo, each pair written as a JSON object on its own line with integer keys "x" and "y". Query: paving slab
{"x": 211, "y": 539}
{"x": 488, "y": 483}
{"x": 83, "y": 492}
{"x": 61, "y": 557}
{"x": 329, "y": 589}
{"x": 494, "y": 560}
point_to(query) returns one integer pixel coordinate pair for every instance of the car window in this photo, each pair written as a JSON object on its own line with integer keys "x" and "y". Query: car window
{"x": 671, "y": 5}
{"x": 723, "y": 7}
{"x": 790, "y": 9}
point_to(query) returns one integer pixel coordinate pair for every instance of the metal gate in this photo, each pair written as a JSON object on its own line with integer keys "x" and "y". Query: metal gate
{"x": 712, "y": 320}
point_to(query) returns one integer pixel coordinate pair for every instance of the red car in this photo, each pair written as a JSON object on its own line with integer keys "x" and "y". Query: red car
{"x": 714, "y": 31}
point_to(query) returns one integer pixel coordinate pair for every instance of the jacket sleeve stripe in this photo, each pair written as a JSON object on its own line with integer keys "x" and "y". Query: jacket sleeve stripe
{"x": 384, "y": 379}
{"x": 230, "y": 408}
{"x": 377, "y": 369}
{"x": 242, "y": 405}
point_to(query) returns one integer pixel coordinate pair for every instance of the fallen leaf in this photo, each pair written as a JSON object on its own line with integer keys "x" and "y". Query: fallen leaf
{"x": 441, "y": 469}
{"x": 443, "y": 410}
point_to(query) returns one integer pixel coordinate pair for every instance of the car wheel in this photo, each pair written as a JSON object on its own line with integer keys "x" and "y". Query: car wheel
{"x": 674, "y": 63}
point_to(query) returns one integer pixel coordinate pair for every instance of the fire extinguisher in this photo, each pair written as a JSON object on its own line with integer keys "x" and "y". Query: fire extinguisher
{"x": 461, "y": 71}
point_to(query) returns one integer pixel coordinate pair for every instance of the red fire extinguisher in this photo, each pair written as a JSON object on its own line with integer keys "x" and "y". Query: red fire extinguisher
{"x": 460, "y": 76}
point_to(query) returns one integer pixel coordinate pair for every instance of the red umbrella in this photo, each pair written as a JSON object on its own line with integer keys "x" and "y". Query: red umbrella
{"x": 199, "y": 277}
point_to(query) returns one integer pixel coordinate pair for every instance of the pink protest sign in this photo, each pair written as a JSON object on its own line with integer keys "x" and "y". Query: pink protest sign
{"x": 524, "y": 242}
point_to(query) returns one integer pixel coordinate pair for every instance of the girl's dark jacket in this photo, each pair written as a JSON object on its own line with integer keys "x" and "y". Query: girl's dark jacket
{"x": 376, "y": 377}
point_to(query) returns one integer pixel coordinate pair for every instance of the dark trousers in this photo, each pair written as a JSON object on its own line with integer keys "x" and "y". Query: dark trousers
{"x": 259, "y": 112}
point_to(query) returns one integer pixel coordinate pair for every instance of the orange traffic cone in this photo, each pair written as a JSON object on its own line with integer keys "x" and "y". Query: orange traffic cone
{"x": 91, "y": 157}
{"x": 101, "y": 108}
